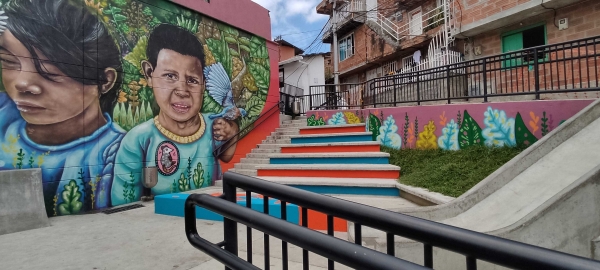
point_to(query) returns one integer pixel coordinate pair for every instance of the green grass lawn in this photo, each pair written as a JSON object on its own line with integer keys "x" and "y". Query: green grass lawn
{"x": 451, "y": 173}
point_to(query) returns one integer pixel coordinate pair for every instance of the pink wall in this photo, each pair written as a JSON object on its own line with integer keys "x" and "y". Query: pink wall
{"x": 243, "y": 14}
{"x": 458, "y": 125}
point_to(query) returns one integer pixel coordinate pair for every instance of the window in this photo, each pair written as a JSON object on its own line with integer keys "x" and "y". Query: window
{"x": 346, "y": 47}
{"x": 522, "y": 39}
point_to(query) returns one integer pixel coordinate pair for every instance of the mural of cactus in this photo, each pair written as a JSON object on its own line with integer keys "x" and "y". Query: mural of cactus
{"x": 388, "y": 134}
{"x": 337, "y": 119}
{"x": 184, "y": 183}
{"x": 70, "y": 195}
{"x": 523, "y": 136}
{"x": 198, "y": 177}
{"x": 427, "y": 138}
{"x": 459, "y": 119}
{"x": 470, "y": 132}
{"x": 449, "y": 138}
{"x": 499, "y": 130}
{"x": 373, "y": 126}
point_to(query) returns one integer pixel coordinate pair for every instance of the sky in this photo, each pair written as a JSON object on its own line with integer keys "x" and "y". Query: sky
{"x": 297, "y": 22}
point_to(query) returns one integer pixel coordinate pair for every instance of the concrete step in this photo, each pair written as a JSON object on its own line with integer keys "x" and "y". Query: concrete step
{"x": 288, "y": 132}
{"x": 276, "y": 141}
{"x": 248, "y": 160}
{"x": 270, "y": 146}
{"x": 293, "y": 125}
{"x": 331, "y": 158}
{"x": 287, "y": 129}
{"x": 386, "y": 171}
{"x": 244, "y": 172}
{"x": 348, "y": 186}
{"x": 332, "y": 137}
{"x": 264, "y": 150}
{"x": 245, "y": 166}
{"x": 258, "y": 155}
{"x": 275, "y": 135}
{"x": 370, "y": 146}
{"x": 333, "y": 129}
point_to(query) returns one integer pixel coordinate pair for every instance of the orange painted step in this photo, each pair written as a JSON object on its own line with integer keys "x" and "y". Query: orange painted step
{"x": 332, "y": 129}
{"x": 318, "y": 221}
{"x": 331, "y": 148}
{"x": 330, "y": 173}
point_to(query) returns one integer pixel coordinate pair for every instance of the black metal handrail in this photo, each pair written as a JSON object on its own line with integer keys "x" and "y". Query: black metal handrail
{"x": 246, "y": 130}
{"x": 473, "y": 245}
{"x": 324, "y": 245}
{"x": 567, "y": 67}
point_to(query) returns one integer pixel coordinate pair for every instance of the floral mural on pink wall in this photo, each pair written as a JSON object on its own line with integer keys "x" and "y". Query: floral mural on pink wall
{"x": 456, "y": 126}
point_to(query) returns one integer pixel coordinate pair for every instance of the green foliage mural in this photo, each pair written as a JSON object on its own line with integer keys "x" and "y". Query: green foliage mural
{"x": 522, "y": 134}
{"x": 311, "y": 121}
{"x": 194, "y": 90}
{"x": 373, "y": 126}
{"x": 470, "y": 132}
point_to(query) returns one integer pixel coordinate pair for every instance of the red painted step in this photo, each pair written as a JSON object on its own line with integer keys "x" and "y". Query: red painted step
{"x": 332, "y": 147}
{"x": 332, "y": 129}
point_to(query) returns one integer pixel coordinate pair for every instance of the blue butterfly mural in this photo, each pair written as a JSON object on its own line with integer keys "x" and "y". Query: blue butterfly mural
{"x": 219, "y": 87}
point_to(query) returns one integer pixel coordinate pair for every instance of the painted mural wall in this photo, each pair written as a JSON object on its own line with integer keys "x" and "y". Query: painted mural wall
{"x": 457, "y": 126}
{"x": 95, "y": 90}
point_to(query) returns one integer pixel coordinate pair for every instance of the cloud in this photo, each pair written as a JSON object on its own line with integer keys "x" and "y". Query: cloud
{"x": 288, "y": 16}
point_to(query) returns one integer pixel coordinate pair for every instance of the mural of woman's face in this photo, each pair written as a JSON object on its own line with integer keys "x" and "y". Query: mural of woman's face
{"x": 177, "y": 83}
{"x": 42, "y": 101}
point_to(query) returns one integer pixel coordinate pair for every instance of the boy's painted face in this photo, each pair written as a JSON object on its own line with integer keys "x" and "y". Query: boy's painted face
{"x": 41, "y": 101}
{"x": 177, "y": 83}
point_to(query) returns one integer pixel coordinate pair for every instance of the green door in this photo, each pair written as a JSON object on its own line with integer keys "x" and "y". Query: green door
{"x": 511, "y": 43}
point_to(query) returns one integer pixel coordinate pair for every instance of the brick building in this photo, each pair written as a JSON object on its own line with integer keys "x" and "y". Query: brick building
{"x": 380, "y": 37}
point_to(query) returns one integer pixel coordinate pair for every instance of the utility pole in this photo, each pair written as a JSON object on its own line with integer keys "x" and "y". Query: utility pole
{"x": 336, "y": 78}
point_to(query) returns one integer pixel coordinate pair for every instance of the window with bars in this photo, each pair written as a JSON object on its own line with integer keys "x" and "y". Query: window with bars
{"x": 346, "y": 47}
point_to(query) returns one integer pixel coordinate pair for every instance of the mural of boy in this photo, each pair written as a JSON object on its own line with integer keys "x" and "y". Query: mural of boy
{"x": 60, "y": 77}
{"x": 180, "y": 140}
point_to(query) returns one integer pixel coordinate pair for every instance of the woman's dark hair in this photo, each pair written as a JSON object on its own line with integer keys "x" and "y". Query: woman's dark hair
{"x": 175, "y": 38}
{"x": 71, "y": 37}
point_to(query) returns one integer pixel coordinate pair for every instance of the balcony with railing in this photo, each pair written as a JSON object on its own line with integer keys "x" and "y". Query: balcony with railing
{"x": 349, "y": 16}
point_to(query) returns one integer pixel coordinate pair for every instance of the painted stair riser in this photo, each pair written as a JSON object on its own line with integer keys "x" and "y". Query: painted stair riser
{"x": 332, "y": 130}
{"x": 255, "y": 161}
{"x": 244, "y": 172}
{"x": 331, "y": 149}
{"x": 330, "y": 173}
{"x": 349, "y": 190}
{"x": 332, "y": 139}
{"x": 331, "y": 160}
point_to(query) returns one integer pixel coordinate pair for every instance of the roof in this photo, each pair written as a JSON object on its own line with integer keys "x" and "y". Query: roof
{"x": 282, "y": 42}
{"x": 315, "y": 54}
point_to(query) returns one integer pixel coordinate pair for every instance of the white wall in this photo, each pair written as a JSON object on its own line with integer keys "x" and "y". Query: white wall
{"x": 301, "y": 75}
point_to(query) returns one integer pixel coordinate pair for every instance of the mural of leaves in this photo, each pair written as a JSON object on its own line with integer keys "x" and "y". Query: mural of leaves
{"x": 470, "y": 132}
{"x": 254, "y": 106}
{"x": 260, "y": 74}
{"x": 337, "y": 119}
{"x": 500, "y": 130}
{"x": 523, "y": 136}
{"x": 70, "y": 195}
{"x": 312, "y": 121}
{"x": 545, "y": 126}
{"x": 388, "y": 134}
{"x": 373, "y": 126}
{"x": 427, "y": 139}
{"x": 352, "y": 118}
{"x": 198, "y": 177}
{"x": 209, "y": 104}
{"x": 449, "y": 138}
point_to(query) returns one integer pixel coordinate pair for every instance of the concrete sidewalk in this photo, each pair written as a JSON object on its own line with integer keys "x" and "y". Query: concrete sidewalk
{"x": 140, "y": 239}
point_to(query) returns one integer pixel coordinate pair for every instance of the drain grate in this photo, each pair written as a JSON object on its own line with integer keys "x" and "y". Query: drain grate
{"x": 122, "y": 209}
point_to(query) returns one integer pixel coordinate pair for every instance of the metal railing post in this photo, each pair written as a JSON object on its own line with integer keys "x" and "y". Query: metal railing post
{"x": 448, "y": 82}
{"x": 418, "y": 90}
{"x": 230, "y": 226}
{"x": 536, "y": 73}
{"x": 310, "y": 97}
{"x": 485, "y": 97}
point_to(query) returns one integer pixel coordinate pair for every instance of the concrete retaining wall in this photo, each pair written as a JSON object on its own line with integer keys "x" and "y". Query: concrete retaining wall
{"x": 21, "y": 201}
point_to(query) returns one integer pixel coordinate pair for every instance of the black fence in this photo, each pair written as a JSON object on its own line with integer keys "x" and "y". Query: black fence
{"x": 473, "y": 245}
{"x": 551, "y": 69}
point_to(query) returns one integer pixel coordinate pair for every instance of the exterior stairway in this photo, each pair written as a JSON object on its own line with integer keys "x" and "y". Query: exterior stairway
{"x": 271, "y": 145}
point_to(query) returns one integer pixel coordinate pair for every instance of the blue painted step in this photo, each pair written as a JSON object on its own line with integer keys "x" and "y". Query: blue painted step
{"x": 331, "y": 158}
{"x": 332, "y": 138}
{"x": 344, "y": 190}
{"x": 173, "y": 205}
{"x": 340, "y": 186}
